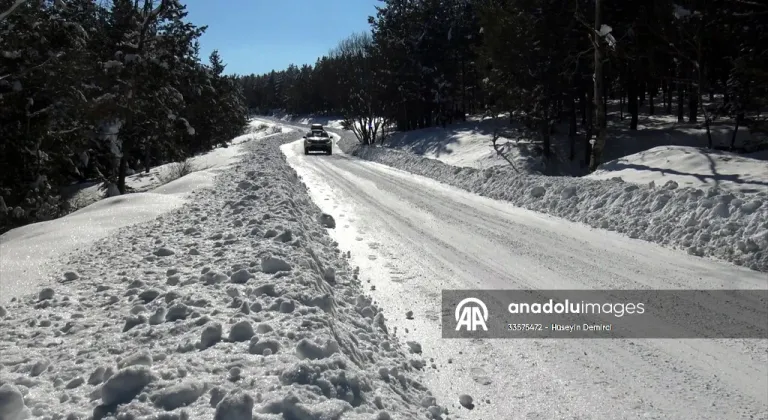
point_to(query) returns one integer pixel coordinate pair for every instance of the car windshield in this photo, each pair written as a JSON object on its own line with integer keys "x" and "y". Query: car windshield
{"x": 318, "y": 134}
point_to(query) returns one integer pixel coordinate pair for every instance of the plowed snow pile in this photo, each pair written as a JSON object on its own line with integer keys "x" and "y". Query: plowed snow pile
{"x": 706, "y": 222}
{"x": 236, "y": 305}
{"x": 28, "y": 251}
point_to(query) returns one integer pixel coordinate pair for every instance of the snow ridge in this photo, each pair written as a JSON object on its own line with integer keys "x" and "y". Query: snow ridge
{"x": 221, "y": 309}
{"x": 709, "y": 223}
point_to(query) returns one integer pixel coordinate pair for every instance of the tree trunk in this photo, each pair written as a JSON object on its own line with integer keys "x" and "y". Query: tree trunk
{"x": 560, "y": 111}
{"x": 621, "y": 106}
{"x": 572, "y": 126}
{"x": 583, "y": 105}
{"x": 121, "y": 172}
{"x": 597, "y": 149}
{"x": 146, "y": 159}
{"x": 669, "y": 98}
{"x": 588, "y": 132}
{"x": 463, "y": 87}
{"x": 632, "y": 100}
{"x": 739, "y": 117}
{"x": 651, "y": 108}
{"x": 545, "y": 138}
{"x": 680, "y": 102}
{"x": 693, "y": 104}
{"x": 694, "y": 93}
{"x": 605, "y": 106}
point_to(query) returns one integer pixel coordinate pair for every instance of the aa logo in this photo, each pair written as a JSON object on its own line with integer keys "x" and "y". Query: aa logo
{"x": 471, "y": 313}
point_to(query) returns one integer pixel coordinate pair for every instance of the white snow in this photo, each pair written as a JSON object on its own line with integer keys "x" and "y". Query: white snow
{"x": 723, "y": 220}
{"x": 468, "y": 144}
{"x": 28, "y": 252}
{"x": 334, "y": 122}
{"x": 689, "y": 167}
{"x": 413, "y": 237}
{"x": 712, "y": 222}
{"x": 177, "y": 334}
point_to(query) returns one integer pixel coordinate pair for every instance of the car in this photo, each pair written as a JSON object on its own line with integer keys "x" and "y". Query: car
{"x": 316, "y": 127}
{"x": 318, "y": 140}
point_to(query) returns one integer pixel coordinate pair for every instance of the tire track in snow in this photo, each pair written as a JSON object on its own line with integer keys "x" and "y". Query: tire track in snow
{"x": 689, "y": 377}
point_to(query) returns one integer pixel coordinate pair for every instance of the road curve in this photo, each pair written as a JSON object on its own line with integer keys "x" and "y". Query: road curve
{"x": 413, "y": 237}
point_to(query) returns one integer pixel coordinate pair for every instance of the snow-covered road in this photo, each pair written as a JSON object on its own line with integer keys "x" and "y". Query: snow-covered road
{"x": 413, "y": 237}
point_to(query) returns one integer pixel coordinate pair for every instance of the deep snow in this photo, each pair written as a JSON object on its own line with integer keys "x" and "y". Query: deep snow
{"x": 689, "y": 167}
{"x": 204, "y": 164}
{"x": 236, "y": 302}
{"x": 28, "y": 252}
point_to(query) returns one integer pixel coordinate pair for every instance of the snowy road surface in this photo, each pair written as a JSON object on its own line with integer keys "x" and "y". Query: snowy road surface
{"x": 413, "y": 237}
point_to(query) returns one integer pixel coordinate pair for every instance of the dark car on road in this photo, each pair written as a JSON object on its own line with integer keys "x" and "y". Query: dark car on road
{"x": 318, "y": 140}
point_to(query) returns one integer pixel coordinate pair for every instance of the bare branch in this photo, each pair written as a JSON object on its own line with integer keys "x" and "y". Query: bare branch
{"x": 751, "y": 3}
{"x": 11, "y": 9}
{"x": 150, "y": 18}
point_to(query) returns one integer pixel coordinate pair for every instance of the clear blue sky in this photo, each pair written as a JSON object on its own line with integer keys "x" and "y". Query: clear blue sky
{"x": 257, "y": 36}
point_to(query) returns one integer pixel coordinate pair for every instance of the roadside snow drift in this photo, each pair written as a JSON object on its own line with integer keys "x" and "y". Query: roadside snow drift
{"x": 706, "y": 222}
{"x": 236, "y": 305}
{"x": 689, "y": 167}
{"x": 27, "y": 252}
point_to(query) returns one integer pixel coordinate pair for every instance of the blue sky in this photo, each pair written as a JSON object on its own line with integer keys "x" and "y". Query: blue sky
{"x": 257, "y": 36}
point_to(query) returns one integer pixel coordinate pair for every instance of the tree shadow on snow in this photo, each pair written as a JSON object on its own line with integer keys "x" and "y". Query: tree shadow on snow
{"x": 714, "y": 177}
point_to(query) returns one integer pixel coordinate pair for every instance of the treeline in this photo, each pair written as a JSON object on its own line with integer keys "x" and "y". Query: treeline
{"x": 95, "y": 90}
{"x": 543, "y": 61}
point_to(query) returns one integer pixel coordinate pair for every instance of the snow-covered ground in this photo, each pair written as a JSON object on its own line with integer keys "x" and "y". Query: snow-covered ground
{"x": 413, "y": 237}
{"x": 234, "y": 305}
{"x": 689, "y": 167}
{"x": 218, "y": 158}
{"x": 707, "y": 222}
{"x": 28, "y": 252}
{"x": 469, "y": 144}
{"x": 710, "y": 222}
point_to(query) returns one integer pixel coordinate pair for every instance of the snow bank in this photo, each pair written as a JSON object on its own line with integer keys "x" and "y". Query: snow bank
{"x": 689, "y": 167}
{"x": 465, "y": 144}
{"x": 219, "y": 157}
{"x": 727, "y": 225}
{"x": 469, "y": 144}
{"x": 219, "y": 309}
{"x": 27, "y": 252}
